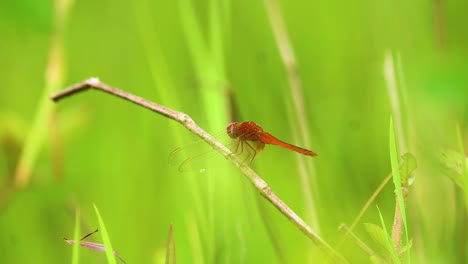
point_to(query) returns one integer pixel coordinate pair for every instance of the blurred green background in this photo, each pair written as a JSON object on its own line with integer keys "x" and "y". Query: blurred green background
{"x": 218, "y": 61}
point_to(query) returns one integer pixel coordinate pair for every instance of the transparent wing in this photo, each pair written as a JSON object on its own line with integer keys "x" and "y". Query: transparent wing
{"x": 194, "y": 157}
{"x": 199, "y": 156}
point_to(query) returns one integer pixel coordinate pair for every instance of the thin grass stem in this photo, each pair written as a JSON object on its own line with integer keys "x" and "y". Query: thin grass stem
{"x": 306, "y": 170}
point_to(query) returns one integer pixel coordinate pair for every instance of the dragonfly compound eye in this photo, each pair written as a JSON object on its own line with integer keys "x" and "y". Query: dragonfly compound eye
{"x": 232, "y": 130}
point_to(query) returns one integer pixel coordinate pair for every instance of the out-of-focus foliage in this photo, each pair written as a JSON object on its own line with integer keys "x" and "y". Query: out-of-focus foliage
{"x": 214, "y": 60}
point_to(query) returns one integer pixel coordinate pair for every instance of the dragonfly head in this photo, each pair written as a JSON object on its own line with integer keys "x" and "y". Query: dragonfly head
{"x": 232, "y": 130}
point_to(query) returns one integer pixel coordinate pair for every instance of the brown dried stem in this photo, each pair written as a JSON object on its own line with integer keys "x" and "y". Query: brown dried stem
{"x": 397, "y": 229}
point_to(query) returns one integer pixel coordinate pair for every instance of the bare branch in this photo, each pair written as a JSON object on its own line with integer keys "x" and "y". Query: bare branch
{"x": 184, "y": 119}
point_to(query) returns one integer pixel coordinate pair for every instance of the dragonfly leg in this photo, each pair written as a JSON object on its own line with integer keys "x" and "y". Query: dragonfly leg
{"x": 236, "y": 147}
{"x": 254, "y": 153}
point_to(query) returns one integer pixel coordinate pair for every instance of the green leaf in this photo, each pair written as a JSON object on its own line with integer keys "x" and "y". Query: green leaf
{"x": 464, "y": 175}
{"x": 391, "y": 248}
{"x": 452, "y": 162}
{"x": 406, "y": 168}
{"x": 405, "y": 248}
{"x": 379, "y": 236}
{"x": 105, "y": 237}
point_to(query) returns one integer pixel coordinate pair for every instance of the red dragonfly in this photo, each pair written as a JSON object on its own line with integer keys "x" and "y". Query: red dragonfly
{"x": 248, "y": 139}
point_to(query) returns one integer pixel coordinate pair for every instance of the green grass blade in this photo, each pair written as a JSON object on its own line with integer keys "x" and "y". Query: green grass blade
{"x": 76, "y": 238}
{"x": 397, "y": 179}
{"x": 193, "y": 33}
{"x": 105, "y": 238}
{"x": 391, "y": 248}
{"x": 171, "y": 247}
{"x": 464, "y": 178}
{"x": 55, "y": 73}
{"x": 37, "y": 135}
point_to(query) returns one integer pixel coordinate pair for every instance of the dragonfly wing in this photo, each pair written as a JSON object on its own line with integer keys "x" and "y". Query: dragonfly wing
{"x": 193, "y": 159}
